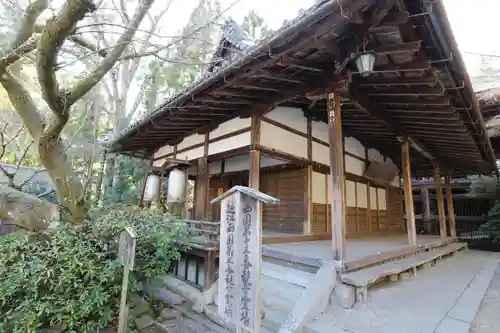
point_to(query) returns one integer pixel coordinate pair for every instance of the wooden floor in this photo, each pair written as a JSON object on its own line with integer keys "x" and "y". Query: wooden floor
{"x": 359, "y": 252}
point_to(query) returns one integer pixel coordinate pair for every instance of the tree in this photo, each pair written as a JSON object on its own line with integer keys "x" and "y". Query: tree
{"x": 47, "y": 42}
{"x": 69, "y": 82}
{"x": 253, "y": 24}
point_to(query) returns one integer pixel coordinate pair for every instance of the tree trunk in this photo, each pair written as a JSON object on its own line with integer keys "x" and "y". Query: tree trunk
{"x": 70, "y": 191}
{"x": 26, "y": 210}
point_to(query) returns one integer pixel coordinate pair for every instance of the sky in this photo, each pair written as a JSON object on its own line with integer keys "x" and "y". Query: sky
{"x": 474, "y": 23}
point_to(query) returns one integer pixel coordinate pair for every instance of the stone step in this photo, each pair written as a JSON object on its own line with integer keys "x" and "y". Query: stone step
{"x": 286, "y": 273}
{"x": 366, "y": 277}
{"x": 274, "y": 287}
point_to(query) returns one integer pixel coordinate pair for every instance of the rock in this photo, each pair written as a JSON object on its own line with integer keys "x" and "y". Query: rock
{"x": 167, "y": 314}
{"x": 168, "y": 296}
{"x": 144, "y": 321}
{"x": 344, "y": 295}
{"x": 140, "y": 309}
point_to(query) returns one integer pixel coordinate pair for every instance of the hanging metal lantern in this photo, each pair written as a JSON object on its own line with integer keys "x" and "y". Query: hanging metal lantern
{"x": 365, "y": 62}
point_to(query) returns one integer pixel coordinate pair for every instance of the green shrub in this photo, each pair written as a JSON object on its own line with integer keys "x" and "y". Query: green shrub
{"x": 70, "y": 279}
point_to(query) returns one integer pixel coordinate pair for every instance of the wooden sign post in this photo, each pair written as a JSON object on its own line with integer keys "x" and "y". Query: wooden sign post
{"x": 241, "y": 257}
{"x": 126, "y": 255}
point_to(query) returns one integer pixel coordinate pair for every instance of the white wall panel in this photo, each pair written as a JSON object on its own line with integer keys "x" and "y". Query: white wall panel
{"x": 354, "y": 147}
{"x": 230, "y": 126}
{"x": 159, "y": 163}
{"x": 362, "y": 192}
{"x": 237, "y": 163}
{"x": 191, "y": 141}
{"x": 318, "y": 188}
{"x": 319, "y": 130}
{"x": 231, "y": 143}
{"x": 191, "y": 154}
{"x": 396, "y": 182}
{"x": 373, "y": 197}
{"x": 282, "y": 140}
{"x": 268, "y": 161}
{"x": 374, "y": 155}
{"x": 320, "y": 153}
{"x": 291, "y": 117}
{"x": 164, "y": 151}
{"x": 350, "y": 193}
{"x": 382, "y": 199}
{"x": 354, "y": 165}
{"x": 214, "y": 168}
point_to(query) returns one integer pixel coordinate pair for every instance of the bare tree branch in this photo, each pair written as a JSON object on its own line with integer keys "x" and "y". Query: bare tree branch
{"x": 108, "y": 62}
{"x": 30, "y": 16}
{"x": 53, "y": 35}
{"x": 16, "y": 54}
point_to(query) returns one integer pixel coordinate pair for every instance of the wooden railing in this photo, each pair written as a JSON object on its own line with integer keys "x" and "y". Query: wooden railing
{"x": 198, "y": 264}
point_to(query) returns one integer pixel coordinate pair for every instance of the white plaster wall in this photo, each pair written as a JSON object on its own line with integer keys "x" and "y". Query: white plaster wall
{"x": 159, "y": 163}
{"x": 374, "y": 155}
{"x": 396, "y": 182}
{"x": 164, "y": 151}
{"x": 373, "y": 197}
{"x": 354, "y": 165}
{"x": 230, "y": 126}
{"x": 291, "y": 117}
{"x": 350, "y": 193}
{"x": 318, "y": 187}
{"x": 320, "y": 153}
{"x": 267, "y": 161}
{"x": 382, "y": 199}
{"x": 191, "y": 154}
{"x": 362, "y": 191}
{"x": 354, "y": 147}
{"x": 237, "y": 141}
{"x": 319, "y": 130}
{"x": 191, "y": 141}
{"x": 214, "y": 167}
{"x": 241, "y": 163}
{"x": 282, "y": 140}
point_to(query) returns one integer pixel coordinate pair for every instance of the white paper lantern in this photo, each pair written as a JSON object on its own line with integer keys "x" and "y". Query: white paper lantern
{"x": 152, "y": 189}
{"x": 365, "y": 63}
{"x": 176, "y": 186}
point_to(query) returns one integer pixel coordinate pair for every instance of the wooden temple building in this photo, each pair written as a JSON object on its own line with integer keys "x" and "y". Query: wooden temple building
{"x": 333, "y": 114}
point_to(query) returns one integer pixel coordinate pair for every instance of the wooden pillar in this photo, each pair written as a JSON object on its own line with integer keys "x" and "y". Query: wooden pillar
{"x": 440, "y": 203}
{"x": 337, "y": 176}
{"x": 451, "y": 211}
{"x": 308, "y": 174}
{"x": 426, "y": 209}
{"x": 409, "y": 206}
{"x": 141, "y": 200}
{"x": 254, "y": 170}
{"x": 202, "y": 184}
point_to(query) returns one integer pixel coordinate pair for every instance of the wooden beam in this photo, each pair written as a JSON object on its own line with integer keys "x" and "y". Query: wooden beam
{"x": 391, "y": 82}
{"x": 276, "y": 76}
{"x": 435, "y": 101}
{"x": 409, "y": 205}
{"x": 337, "y": 176}
{"x": 393, "y": 126}
{"x": 440, "y": 203}
{"x": 390, "y": 49}
{"x": 302, "y": 64}
{"x": 417, "y": 66}
{"x": 437, "y": 90}
{"x": 391, "y": 21}
{"x": 451, "y": 211}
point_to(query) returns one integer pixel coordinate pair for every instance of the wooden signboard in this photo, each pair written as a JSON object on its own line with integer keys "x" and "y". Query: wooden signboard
{"x": 241, "y": 256}
{"x": 126, "y": 255}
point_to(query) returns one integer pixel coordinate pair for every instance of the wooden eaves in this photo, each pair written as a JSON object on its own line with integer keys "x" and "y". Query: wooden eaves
{"x": 419, "y": 89}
